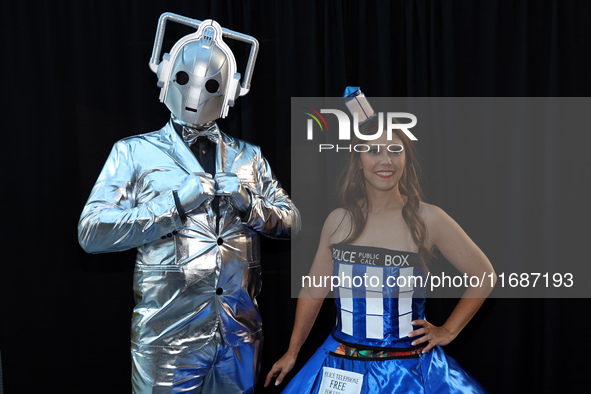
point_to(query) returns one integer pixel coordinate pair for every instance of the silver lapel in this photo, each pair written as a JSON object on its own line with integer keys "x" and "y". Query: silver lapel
{"x": 225, "y": 155}
{"x": 173, "y": 145}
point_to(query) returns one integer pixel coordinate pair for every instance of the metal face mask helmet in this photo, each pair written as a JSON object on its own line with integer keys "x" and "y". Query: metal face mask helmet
{"x": 198, "y": 79}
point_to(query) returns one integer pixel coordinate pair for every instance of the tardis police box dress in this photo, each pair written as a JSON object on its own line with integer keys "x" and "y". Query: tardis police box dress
{"x": 369, "y": 350}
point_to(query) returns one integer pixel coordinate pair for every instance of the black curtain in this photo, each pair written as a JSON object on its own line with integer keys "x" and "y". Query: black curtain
{"x": 76, "y": 80}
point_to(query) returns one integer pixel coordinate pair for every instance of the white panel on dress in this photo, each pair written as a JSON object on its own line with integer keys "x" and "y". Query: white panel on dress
{"x": 347, "y": 322}
{"x": 346, "y": 296}
{"x": 374, "y": 327}
{"x": 405, "y": 303}
{"x": 404, "y": 326}
{"x": 374, "y": 305}
{"x": 345, "y": 275}
{"x": 406, "y": 284}
{"x": 375, "y": 279}
{"x": 374, "y": 297}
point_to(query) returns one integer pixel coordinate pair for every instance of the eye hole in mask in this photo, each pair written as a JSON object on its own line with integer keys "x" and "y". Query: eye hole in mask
{"x": 212, "y": 86}
{"x": 182, "y": 78}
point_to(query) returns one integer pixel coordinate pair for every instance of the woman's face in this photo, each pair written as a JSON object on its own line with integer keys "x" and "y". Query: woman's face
{"x": 384, "y": 163}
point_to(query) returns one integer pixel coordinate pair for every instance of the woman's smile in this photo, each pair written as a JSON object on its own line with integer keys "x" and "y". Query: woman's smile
{"x": 384, "y": 174}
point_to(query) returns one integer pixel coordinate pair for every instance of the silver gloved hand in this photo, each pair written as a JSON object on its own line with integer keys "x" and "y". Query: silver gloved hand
{"x": 229, "y": 185}
{"x": 197, "y": 188}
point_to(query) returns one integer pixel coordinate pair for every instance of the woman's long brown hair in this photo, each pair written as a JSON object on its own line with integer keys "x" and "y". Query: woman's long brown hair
{"x": 353, "y": 197}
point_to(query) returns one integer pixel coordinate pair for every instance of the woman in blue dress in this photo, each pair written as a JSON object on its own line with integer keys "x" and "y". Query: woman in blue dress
{"x": 378, "y": 245}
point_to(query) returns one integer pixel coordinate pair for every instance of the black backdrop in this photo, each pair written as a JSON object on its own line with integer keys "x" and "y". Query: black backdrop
{"x": 76, "y": 79}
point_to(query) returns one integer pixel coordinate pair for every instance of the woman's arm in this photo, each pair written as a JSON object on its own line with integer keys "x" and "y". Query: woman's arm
{"x": 310, "y": 299}
{"x": 455, "y": 245}
{"x": 306, "y": 313}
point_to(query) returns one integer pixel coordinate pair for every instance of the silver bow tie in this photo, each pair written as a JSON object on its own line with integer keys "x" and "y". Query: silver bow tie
{"x": 190, "y": 135}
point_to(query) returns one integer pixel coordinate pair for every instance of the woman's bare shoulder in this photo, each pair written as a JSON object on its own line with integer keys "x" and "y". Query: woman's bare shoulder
{"x": 337, "y": 213}
{"x": 432, "y": 214}
{"x": 337, "y": 225}
{"x": 429, "y": 210}
{"x": 336, "y": 217}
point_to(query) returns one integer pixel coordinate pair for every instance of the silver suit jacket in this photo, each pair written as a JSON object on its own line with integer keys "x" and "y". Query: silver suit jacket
{"x": 190, "y": 278}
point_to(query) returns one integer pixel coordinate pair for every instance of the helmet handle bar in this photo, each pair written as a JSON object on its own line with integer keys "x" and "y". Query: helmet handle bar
{"x": 254, "y": 45}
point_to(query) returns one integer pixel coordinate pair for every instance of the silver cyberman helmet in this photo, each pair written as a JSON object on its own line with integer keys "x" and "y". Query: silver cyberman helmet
{"x": 198, "y": 79}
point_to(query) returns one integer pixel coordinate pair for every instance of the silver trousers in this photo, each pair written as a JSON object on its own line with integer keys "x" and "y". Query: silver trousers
{"x": 215, "y": 368}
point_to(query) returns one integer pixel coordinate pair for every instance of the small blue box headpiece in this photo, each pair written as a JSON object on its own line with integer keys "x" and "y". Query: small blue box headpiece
{"x": 357, "y": 103}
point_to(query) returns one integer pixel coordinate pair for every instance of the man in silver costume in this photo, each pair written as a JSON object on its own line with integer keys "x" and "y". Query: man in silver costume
{"x": 193, "y": 201}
